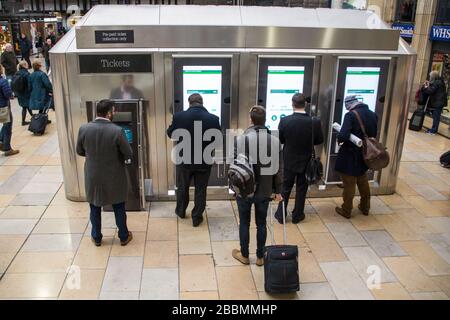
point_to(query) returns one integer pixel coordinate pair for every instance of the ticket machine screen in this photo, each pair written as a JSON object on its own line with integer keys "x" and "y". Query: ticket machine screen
{"x": 362, "y": 82}
{"x": 207, "y": 81}
{"x": 282, "y": 83}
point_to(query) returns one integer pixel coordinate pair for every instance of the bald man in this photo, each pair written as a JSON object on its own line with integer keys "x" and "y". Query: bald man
{"x": 9, "y": 61}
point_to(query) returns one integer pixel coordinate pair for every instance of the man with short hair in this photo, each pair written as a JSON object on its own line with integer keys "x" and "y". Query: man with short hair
{"x": 25, "y": 48}
{"x": 438, "y": 98}
{"x": 296, "y": 134}
{"x": 188, "y": 169}
{"x": 268, "y": 181}
{"x": 9, "y": 61}
{"x": 106, "y": 150}
{"x": 350, "y": 161}
{"x": 46, "y": 53}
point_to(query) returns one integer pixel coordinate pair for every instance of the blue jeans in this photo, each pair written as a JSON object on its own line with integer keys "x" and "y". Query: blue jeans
{"x": 244, "y": 207}
{"x": 6, "y": 134}
{"x": 121, "y": 221}
{"x": 436, "y": 120}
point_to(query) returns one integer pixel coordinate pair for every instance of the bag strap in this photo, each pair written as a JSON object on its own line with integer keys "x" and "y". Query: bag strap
{"x": 313, "y": 154}
{"x": 361, "y": 124}
{"x": 271, "y": 229}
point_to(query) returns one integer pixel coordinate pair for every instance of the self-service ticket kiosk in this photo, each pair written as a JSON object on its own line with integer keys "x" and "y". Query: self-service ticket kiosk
{"x": 211, "y": 78}
{"x": 367, "y": 79}
{"x": 128, "y": 115}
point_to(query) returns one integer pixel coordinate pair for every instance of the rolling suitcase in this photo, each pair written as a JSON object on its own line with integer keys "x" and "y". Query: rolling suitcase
{"x": 39, "y": 123}
{"x": 416, "y": 121}
{"x": 445, "y": 160}
{"x": 281, "y": 264}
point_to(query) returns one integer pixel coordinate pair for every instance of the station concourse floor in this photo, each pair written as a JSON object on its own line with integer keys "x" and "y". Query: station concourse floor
{"x": 46, "y": 251}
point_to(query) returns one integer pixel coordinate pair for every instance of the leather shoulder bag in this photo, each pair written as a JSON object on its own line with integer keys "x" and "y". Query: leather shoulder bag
{"x": 314, "y": 168}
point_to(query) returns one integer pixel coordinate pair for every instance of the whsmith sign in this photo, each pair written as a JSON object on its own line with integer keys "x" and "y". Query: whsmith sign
{"x": 440, "y": 33}
{"x": 115, "y": 63}
{"x": 406, "y": 30}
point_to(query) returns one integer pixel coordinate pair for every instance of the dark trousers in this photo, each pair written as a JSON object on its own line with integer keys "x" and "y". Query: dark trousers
{"x": 184, "y": 177}
{"x": 27, "y": 59}
{"x": 47, "y": 65}
{"x": 436, "y": 120}
{"x": 289, "y": 178}
{"x": 24, "y": 113}
{"x": 121, "y": 221}
{"x": 244, "y": 207}
{"x": 6, "y": 134}
{"x": 349, "y": 184}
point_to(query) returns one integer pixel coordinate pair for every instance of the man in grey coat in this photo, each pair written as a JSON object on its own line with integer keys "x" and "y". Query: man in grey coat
{"x": 106, "y": 150}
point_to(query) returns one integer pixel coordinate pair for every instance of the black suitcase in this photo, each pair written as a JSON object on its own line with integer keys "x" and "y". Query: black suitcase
{"x": 445, "y": 160}
{"x": 281, "y": 265}
{"x": 416, "y": 121}
{"x": 39, "y": 123}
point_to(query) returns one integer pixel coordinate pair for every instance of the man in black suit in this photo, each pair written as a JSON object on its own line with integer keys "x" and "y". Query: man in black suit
{"x": 194, "y": 165}
{"x": 350, "y": 162}
{"x": 295, "y": 133}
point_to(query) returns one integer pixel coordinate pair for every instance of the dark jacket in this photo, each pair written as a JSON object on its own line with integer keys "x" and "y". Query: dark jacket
{"x": 295, "y": 134}
{"x": 25, "y": 46}
{"x": 106, "y": 149}
{"x": 350, "y": 159}
{"x": 268, "y": 175}
{"x": 9, "y": 62}
{"x": 5, "y": 92}
{"x": 24, "y": 97}
{"x": 437, "y": 92}
{"x": 46, "y": 51}
{"x": 134, "y": 93}
{"x": 185, "y": 120}
{"x": 40, "y": 88}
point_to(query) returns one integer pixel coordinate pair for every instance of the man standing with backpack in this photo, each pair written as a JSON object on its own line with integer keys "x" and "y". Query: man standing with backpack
{"x": 264, "y": 155}
{"x": 437, "y": 92}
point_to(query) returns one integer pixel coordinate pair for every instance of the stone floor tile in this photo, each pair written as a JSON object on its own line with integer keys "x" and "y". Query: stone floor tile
{"x": 363, "y": 258}
{"x": 219, "y": 209}
{"x": 430, "y": 296}
{"x": 41, "y": 262}
{"x": 91, "y": 257}
{"x": 161, "y": 254}
{"x": 391, "y": 291}
{"x": 52, "y": 242}
{"x": 194, "y": 242}
{"x": 236, "y": 282}
{"x": 395, "y": 201}
{"x": 133, "y": 249}
{"x": 31, "y": 285}
{"x": 88, "y": 288}
{"x": 312, "y": 223}
{"x": 199, "y": 295}
{"x": 326, "y": 211}
{"x": 378, "y": 207}
{"x": 441, "y": 244}
{"x": 5, "y": 260}
{"x": 41, "y": 188}
{"x": 324, "y": 247}
{"x": 186, "y": 224}
{"x": 404, "y": 189}
{"x": 197, "y": 273}
{"x": 440, "y": 224}
{"x": 383, "y": 243}
{"x": 426, "y": 257}
{"x": 6, "y": 199}
{"x": 417, "y": 222}
{"x": 365, "y": 223}
{"x": 23, "y": 212}
{"x": 222, "y": 253}
{"x": 293, "y": 235}
{"x": 119, "y": 295}
{"x": 428, "y": 192}
{"x": 397, "y": 228}
{"x": 223, "y": 228}
{"x": 344, "y": 280}
{"x": 443, "y": 282}
{"x": 162, "y": 209}
{"x": 61, "y": 226}
{"x": 310, "y": 271}
{"x": 66, "y": 212}
{"x": 11, "y": 243}
{"x": 159, "y": 284}
{"x": 277, "y": 296}
{"x": 32, "y": 199}
{"x": 346, "y": 234}
{"x": 428, "y": 208}
{"x": 316, "y": 291}
{"x": 123, "y": 274}
{"x": 162, "y": 229}
{"x": 137, "y": 221}
{"x": 410, "y": 275}
{"x": 258, "y": 276}
{"x": 17, "y": 226}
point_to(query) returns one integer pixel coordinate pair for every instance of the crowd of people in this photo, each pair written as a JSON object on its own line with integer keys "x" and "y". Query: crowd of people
{"x": 33, "y": 90}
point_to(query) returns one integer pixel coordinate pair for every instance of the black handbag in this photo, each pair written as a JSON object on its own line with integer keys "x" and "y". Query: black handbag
{"x": 314, "y": 168}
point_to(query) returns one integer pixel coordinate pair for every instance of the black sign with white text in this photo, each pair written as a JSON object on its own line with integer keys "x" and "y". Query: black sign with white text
{"x": 114, "y": 36}
{"x": 115, "y": 63}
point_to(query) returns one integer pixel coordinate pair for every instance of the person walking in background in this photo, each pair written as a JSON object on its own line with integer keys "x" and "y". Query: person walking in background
{"x": 25, "y": 48}
{"x": 6, "y": 118}
{"x": 39, "y": 43}
{"x": 186, "y": 171}
{"x": 9, "y": 62}
{"x": 437, "y": 92}
{"x": 40, "y": 88}
{"x": 106, "y": 149}
{"x": 296, "y": 134}
{"x": 350, "y": 162}
{"x": 266, "y": 184}
{"x": 46, "y": 53}
{"x": 21, "y": 90}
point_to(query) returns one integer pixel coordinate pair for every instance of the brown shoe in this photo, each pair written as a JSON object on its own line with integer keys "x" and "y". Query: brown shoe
{"x": 239, "y": 257}
{"x": 260, "y": 262}
{"x": 11, "y": 152}
{"x": 364, "y": 212}
{"x": 130, "y": 237}
{"x": 341, "y": 212}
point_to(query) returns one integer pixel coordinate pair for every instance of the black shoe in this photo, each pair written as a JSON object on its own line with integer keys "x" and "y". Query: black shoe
{"x": 25, "y": 123}
{"x": 97, "y": 243}
{"x": 296, "y": 220}
{"x": 181, "y": 216}
{"x": 197, "y": 222}
{"x": 49, "y": 121}
{"x": 341, "y": 212}
{"x": 364, "y": 212}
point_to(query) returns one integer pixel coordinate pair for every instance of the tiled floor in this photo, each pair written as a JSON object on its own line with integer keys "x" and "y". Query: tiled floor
{"x": 46, "y": 252}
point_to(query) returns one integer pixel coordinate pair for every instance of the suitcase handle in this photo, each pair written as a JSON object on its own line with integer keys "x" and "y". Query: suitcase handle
{"x": 272, "y": 231}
